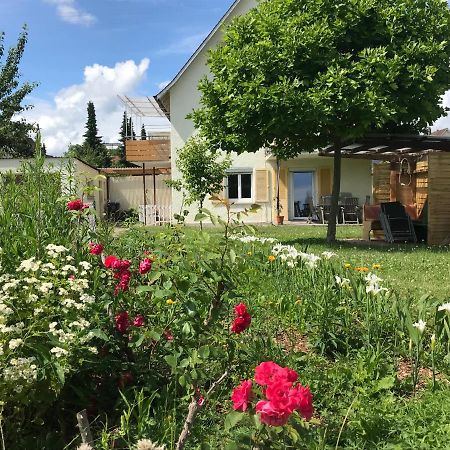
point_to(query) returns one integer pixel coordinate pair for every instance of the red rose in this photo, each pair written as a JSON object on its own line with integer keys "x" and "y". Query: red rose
{"x": 168, "y": 336}
{"x": 241, "y": 323}
{"x": 241, "y": 396}
{"x": 95, "y": 249}
{"x": 138, "y": 321}
{"x": 75, "y": 205}
{"x": 145, "y": 266}
{"x": 109, "y": 261}
{"x": 122, "y": 322}
{"x": 121, "y": 264}
{"x": 240, "y": 309}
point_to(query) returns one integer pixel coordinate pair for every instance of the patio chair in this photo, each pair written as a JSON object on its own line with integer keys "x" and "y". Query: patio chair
{"x": 396, "y": 222}
{"x": 350, "y": 210}
{"x": 324, "y": 208}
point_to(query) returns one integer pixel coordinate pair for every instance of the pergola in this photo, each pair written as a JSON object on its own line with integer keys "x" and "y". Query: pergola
{"x": 411, "y": 169}
{"x": 154, "y": 150}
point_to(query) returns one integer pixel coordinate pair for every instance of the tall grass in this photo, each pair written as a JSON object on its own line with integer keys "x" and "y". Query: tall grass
{"x": 32, "y": 209}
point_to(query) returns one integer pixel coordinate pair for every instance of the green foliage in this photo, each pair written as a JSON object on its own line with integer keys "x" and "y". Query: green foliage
{"x": 14, "y": 134}
{"x": 202, "y": 170}
{"x": 333, "y": 71}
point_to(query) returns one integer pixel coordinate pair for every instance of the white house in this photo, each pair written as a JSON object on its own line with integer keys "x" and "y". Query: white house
{"x": 252, "y": 177}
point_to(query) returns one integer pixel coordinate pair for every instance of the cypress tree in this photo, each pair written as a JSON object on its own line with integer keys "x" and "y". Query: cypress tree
{"x": 143, "y": 133}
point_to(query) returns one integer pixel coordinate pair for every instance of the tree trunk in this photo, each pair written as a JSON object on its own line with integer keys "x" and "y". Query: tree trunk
{"x": 331, "y": 232}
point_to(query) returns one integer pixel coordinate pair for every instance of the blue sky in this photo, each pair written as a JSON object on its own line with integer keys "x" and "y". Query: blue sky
{"x": 94, "y": 49}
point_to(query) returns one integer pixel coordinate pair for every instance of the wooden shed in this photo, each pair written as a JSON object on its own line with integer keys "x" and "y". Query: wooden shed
{"x": 411, "y": 169}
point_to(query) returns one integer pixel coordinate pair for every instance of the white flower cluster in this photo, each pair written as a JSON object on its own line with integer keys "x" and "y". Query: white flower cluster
{"x": 290, "y": 255}
{"x": 444, "y": 307}
{"x": 54, "y": 251}
{"x": 252, "y": 239}
{"x": 373, "y": 284}
{"x": 29, "y": 265}
{"x": 328, "y": 255}
{"x": 21, "y": 370}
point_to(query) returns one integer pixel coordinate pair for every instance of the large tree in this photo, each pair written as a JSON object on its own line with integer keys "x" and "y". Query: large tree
{"x": 92, "y": 151}
{"x": 299, "y": 75}
{"x": 14, "y": 132}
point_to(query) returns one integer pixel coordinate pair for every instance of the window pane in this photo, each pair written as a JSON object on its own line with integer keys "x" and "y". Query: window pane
{"x": 232, "y": 186}
{"x": 246, "y": 185}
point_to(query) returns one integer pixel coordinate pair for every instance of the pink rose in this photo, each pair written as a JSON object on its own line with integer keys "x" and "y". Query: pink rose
{"x": 95, "y": 249}
{"x": 145, "y": 266}
{"x": 109, "y": 261}
{"x": 271, "y": 415}
{"x": 75, "y": 205}
{"x": 138, "y": 321}
{"x": 241, "y": 396}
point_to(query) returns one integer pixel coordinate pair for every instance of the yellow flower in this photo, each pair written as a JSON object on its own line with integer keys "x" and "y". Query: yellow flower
{"x": 249, "y": 253}
{"x": 170, "y": 301}
{"x": 347, "y": 265}
{"x": 271, "y": 258}
{"x": 376, "y": 266}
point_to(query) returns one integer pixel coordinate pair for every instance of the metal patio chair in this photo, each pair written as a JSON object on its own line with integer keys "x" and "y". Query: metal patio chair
{"x": 397, "y": 224}
{"x": 351, "y": 210}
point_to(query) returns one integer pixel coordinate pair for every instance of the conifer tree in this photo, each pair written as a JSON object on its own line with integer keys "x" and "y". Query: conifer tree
{"x": 143, "y": 133}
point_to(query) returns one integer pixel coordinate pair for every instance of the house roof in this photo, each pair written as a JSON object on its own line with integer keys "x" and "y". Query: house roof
{"x": 165, "y": 90}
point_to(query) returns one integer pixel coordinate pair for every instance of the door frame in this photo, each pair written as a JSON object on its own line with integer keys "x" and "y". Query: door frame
{"x": 292, "y": 171}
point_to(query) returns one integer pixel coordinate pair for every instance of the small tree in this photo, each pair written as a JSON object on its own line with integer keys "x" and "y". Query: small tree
{"x": 300, "y": 75}
{"x": 202, "y": 170}
{"x": 14, "y": 133}
{"x": 143, "y": 133}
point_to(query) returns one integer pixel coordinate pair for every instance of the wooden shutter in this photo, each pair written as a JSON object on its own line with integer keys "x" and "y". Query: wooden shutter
{"x": 381, "y": 183}
{"x": 325, "y": 181}
{"x": 261, "y": 186}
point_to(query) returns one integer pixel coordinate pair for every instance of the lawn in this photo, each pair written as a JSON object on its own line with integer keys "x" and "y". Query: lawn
{"x": 413, "y": 270}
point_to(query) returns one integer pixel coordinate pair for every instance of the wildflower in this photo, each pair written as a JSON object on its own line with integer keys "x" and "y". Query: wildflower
{"x": 147, "y": 444}
{"x": 249, "y": 253}
{"x": 362, "y": 269}
{"x": 444, "y": 307}
{"x": 376, "y": 266}
{"x": 76, "y": 205}
{"x": 271, "y": 258}
{"x": 347, "y": 266}
{"x": 122, "y": 322}
{"x": 95, "y": 249}
{"x": 169, "y": 301}
{"x": 145, "y": 266}
{"x": 328, "y": 255}
{"x": 433, "y": 342}
{"x": 138, "y": 321}
{"x": 241, "y": 396}
{"x": 420, "y": 325}
{"x": 343, "y": 282}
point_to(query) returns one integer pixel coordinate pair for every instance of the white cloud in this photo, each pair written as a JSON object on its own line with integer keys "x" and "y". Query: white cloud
{"x": 185, "y": 45}
{"x": 70, "y": 12}
{"x": 62, "y": 121}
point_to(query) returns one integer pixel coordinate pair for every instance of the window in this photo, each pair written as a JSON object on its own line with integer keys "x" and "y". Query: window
{"x": 240, "y": 186}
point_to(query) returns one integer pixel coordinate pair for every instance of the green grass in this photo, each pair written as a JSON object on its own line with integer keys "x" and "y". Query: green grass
{"x": 413, "y": 270}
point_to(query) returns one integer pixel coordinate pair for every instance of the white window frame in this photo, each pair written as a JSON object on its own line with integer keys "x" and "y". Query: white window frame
{"x": 239, "y": 199}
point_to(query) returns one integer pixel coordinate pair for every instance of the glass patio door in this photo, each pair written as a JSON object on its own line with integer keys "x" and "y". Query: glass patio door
{"x": 302, "y": 198}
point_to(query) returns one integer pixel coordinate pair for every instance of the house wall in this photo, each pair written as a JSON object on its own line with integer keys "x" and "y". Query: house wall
{"x": 184, "y": 97}
{"x": 129, "y": 191}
